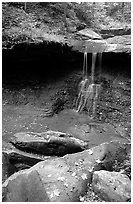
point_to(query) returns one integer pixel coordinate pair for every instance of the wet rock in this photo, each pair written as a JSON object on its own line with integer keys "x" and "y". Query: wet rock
{"x": 7, "y": 168}
{"x": 16, "y": 156}
{"x": 61, "y": 179}
{"x": 89, "y": 33}
{"x": 111, "y": 32}
{"x": 113, "y": 44}
{"x": 50, "y": 143}
{"x": 91, "y": 45}
{"x": 14, "y": 160}
{"x": 123, "y": 44}
{"x": 112, "y": 186}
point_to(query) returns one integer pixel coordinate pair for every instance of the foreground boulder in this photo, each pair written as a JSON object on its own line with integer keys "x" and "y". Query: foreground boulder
{"x": 50, "y": 143}
{"x": 61, "y": 179}
{"x": 14, "y": 160}
{"x": 7, "y": 168}
{"x": 112, "y": 186}
{"x": 15, "y": 154}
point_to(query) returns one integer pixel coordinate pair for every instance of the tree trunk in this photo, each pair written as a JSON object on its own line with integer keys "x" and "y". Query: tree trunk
{"x": 122, "y": 6}
{"x": 25, "y": 5}
{"x": 64, "y": 17}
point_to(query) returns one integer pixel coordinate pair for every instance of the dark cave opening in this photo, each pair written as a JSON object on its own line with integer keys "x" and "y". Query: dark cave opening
{"x": 51, "y": 61}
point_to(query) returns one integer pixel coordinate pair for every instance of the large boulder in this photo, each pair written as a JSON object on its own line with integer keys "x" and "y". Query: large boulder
{"x": 15, "y": 154}
{"x": 7, "y": 168}
{"x": 14, "y": 160}
{"x": 89, "y": 33}
{"x": 50, "y": 143}
{"x": 60, "y": 179}
{"x": 112, "y": 186}
{"x": 24, "y": 188}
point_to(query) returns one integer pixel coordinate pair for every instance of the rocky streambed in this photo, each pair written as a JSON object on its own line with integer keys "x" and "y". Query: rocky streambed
{"x": 73, "y": 177}
{"x": 49, "y": 151}
{"x": 66, "y": 156}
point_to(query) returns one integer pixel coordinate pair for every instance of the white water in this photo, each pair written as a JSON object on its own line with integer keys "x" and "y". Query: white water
{"x": 100, "y": 64}
{"x": 88, "y": 90}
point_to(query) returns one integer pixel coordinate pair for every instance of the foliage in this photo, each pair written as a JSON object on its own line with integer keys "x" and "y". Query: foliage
{"x": 120, "y": 11}
{"x": 39, "y": 19}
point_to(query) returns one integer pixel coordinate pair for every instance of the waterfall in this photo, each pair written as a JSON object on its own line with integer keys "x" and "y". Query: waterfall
{"x": 88, "y": 90}
{"x": 100, "y": 64}
{"x": 94, "y": 55}
{"x": 85, "y": 66}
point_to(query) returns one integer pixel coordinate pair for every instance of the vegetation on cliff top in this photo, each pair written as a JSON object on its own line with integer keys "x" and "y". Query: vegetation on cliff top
{"x": 50, "y": 21}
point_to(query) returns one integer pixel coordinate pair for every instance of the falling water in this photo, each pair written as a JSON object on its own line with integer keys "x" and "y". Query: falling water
{"x": 88, "y": 90}
{"x": 85, "y": 66}
{"x": 94, "y": 55}
{"x": 100, "y": 64}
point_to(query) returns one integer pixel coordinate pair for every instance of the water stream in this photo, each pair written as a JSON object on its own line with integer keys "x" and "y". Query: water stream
{"x": 99, "y": 64}
{"x": 88, "y": 90}
{"x": 94, "y": 55}
{"x": 85, "y": 66}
